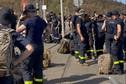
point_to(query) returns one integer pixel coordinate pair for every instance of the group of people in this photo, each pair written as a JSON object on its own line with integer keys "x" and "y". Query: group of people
{"x": 90, "y": 32}
{"x": 30, "y": 45}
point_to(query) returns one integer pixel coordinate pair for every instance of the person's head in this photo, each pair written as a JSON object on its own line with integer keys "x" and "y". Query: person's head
{"x": 53, "y": 15}
{"x": 86, "y": 16}
{"x": 109, "y": 15}
{"x": 121, "y": 16}
{"x": 100, "y": 17}
{"x": 115, "y": 14}
{"x": 30, "y": 10}
{"x": 7, "y": 16}
{"x": 81, "y": 13}
{"x": 77, "y": 11}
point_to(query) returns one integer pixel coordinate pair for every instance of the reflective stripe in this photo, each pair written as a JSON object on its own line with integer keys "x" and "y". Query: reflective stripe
{"x": 81, "y": 57}
{"x": 28, "y": 82}
{"x": 124, "y": 52}
{"x": 121, "y": 61}
{"x": 90, "y": 51}
{"x": 31, "y": 73}
{"x": 37, "y": 80}
{"x": 76, "y": 52}
{"x": 117, "y": 62}
{"x": 99, "y": 50}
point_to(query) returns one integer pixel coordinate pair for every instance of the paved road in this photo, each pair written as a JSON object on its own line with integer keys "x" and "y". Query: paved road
{"x": 64, "y": 70}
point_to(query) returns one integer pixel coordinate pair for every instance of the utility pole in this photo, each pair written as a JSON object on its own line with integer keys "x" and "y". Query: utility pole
{"x": 62, "y": 18}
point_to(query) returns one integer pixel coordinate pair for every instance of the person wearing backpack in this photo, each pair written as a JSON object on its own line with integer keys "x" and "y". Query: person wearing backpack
{"x": 34, "y": 26}
{"x": 8, "y": 39}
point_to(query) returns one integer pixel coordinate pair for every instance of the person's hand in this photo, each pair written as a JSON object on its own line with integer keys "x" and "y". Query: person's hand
{"x": 115, "y": 37}
{"x": 22, "y": 17}
{"x": 56, "y": 28}
{"x": 82, "y": 39}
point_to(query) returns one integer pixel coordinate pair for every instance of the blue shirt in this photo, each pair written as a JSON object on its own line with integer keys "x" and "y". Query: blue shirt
{"x": 34, "y": 29}
{"x": 73, "y": 20}
{"x": 121, "y": 23}
{"x": 18, "y": 39}
{"x": 82, "y": 27}
{"x": 54, "y": 22}
{"x": 88, "y": 26}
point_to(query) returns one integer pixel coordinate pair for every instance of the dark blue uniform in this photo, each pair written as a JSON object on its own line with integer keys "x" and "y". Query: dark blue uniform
{"x": 117, "y": 52}
{"x": 75, "y": 35}
{"x": 124, "y": 44}
{"x": 82, "y": 45}
{"x": 34, "y": 29}
{"x": 89, "y": 44}
{"x": 99, "y": 37}
{"x": 21, "y": 43}
{"x": 55, "y": 31}
{"x": 111, "y": 30}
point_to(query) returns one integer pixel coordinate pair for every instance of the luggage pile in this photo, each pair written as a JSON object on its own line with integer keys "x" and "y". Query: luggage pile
{"x": 46, "y": 58}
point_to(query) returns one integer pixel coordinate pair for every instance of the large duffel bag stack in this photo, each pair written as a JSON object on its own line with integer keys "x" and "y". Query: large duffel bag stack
{"x": 46, "y": 58}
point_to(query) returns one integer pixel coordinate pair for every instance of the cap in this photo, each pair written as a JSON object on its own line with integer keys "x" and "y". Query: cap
{"x": 7, "y": 16}
{"x": 109, "y": 14}
{"x": 77, "y": 9}
{"x": 31, "y": 8}
{"x": 115, "y": 12}
{"x": 81, "y": 12}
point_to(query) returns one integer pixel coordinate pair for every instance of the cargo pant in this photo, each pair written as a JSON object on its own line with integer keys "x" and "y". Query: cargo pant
{"x": 6, "y": 80}
{"x": 76, "y": 44}
{"x": 124, "y": 45}
{"x": 89, "y": 45}
{"x": 117, "y": 54}
{"x": 33, "y": 62}
{"x": 55, "y": 34}
{"x": 99, "y": 42}
{"x": 82, "y": 50}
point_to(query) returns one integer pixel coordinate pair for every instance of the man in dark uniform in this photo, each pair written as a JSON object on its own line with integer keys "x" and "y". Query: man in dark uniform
{"x": 34, "y": 26}
{"x": 99, "y": 36}
{"x": 110, "y": 26}
{"x": 55, "y": 25}
{"x": 6, "y": 19}
{"x": 117, "y": 52}
{"x": 124, "y": 44}
{"x": 82, "y": 35}
{"x": 74, "y": 30}
{"x": 89, "y": 44}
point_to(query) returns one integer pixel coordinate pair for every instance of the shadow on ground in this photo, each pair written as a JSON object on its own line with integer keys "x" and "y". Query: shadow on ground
{"x": 56, "y": 65}
{"x": 69, "y": 79}
{"x": 93, "y": 81}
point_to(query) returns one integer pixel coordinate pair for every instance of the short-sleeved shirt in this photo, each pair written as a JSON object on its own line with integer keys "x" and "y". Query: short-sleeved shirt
{"x": 73, "y": 20}
{"x": 54, "y": 22}
{"x": 88, "y": 26}
{"x": 82, "y": 26}
{"x": 34, "y": 29}
{"x": 121, "y": 23}
{"x": 18, "y": 39}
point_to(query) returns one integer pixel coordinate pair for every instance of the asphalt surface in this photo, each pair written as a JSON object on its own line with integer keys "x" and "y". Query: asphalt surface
{"x": 65, "y": 70}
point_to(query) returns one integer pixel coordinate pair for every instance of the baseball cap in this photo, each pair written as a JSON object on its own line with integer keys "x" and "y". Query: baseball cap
{"x": 77, "y": 9}
{"x": 109, "y": 14}
{"x": 7, "y": 16}
{"x": 115, "y": 12}
{"x": 31, "y": 8}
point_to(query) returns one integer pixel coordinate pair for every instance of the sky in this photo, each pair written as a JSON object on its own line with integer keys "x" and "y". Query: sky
{"x": 123, "y": 1}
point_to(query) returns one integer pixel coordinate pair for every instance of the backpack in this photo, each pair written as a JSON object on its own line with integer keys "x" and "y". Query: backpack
{"x": 64, "y": 46}
{"x": 6, "y": 51}
{"x": 105, "y": 64}
{"x": 46, "y": 58}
